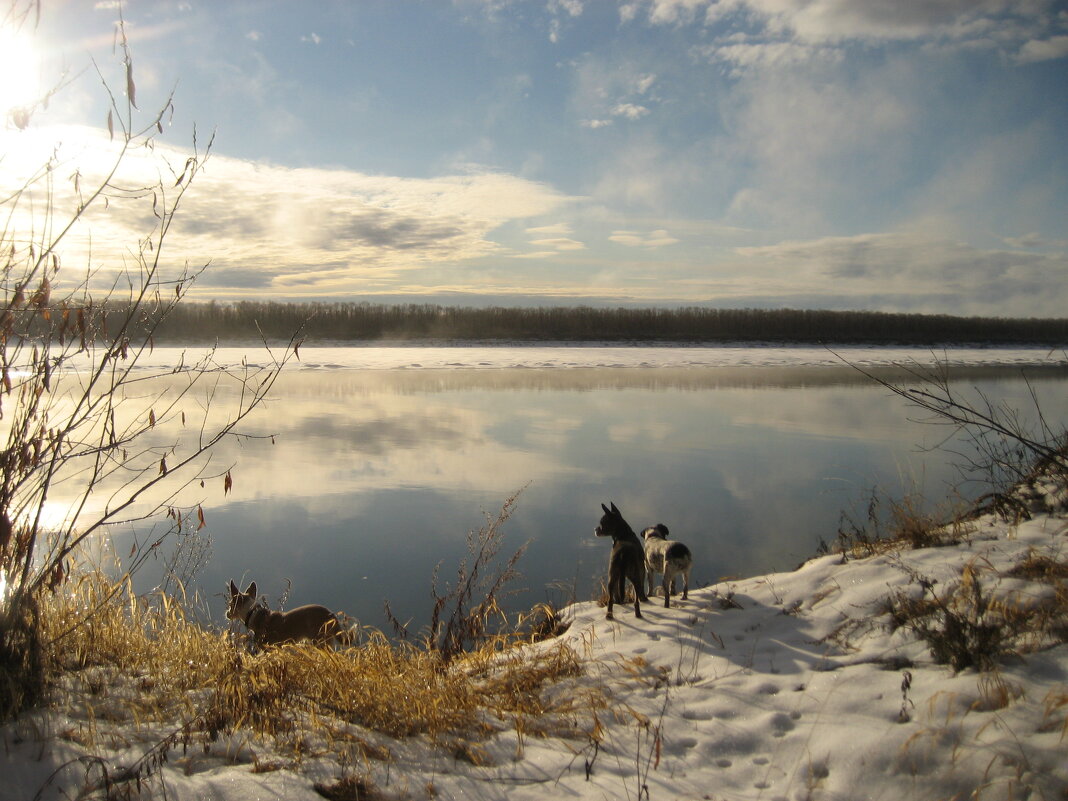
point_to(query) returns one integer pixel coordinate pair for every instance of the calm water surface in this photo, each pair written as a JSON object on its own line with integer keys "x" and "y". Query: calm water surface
{"x": 375, "y": 477}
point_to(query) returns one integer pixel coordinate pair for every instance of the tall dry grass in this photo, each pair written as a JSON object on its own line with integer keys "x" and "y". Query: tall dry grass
{"x": 156, "y": 668}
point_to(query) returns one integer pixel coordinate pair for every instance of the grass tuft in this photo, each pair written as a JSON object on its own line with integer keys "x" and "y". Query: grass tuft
{"x": 890, "y": 524}
{"x": 973, "y": 623}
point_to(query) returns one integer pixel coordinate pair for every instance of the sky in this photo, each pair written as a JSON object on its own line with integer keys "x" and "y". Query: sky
{"x": 837, "y": 154}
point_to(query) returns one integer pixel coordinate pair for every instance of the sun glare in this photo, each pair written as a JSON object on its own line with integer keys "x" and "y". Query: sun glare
{"x": 20, "y": 86}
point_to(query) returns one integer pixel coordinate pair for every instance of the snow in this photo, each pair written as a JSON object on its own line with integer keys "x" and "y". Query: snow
{"x": 784, "y": 686}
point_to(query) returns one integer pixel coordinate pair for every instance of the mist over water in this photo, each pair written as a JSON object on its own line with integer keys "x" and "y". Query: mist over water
{"x": 375, "y": 476}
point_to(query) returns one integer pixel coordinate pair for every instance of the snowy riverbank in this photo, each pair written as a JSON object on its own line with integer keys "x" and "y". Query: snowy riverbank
{"x": 785, "y": 686}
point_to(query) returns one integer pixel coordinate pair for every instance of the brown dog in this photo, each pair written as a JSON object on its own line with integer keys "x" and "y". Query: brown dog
{"x": 627, "y": 562}
{"x": 311, "y": 622}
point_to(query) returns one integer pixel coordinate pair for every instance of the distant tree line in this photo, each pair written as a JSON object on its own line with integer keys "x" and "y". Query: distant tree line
{"x": 361, "y": 322}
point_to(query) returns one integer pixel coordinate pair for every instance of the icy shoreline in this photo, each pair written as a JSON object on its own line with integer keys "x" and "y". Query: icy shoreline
{"x": 568, "y": 356}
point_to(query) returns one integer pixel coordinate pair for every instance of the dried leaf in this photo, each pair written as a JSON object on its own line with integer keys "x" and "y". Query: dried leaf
{"x": 200, "y": 518}
{"x": 131, "y": 90}
{"x": 190, "y": 162}
{"x": 163, "y": 466}
{"x": 111, "y": 126}
{"x": 228, "y": 483}
{"x": 42, "y": 295}
{"x": 151, "y": 418}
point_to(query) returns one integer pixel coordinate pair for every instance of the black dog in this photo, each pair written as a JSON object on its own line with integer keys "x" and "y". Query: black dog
{"x": 627, "y": 562}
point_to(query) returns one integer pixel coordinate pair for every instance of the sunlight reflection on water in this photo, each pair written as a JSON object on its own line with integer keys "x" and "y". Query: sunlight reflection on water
{"x": 376, "y": 475}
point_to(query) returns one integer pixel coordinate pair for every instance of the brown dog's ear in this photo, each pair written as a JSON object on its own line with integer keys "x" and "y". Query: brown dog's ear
{"x": 252, "y": 590}
{"x": 233, "y": 588}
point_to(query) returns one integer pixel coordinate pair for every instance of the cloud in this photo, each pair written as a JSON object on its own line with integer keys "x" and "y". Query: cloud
{"x": 629, "y": 110}
{"x": 254, "y": 36}
{"x": 832, "y": 22}
{"x": 745, "y": 56}
{"x": 1043, "y": 50}
{"x": 814, "y": 148}
{"x": 312, "y": 37}
{"x": 570, "y": 7}
{"x": 552, "y": 239}
{"x": 666, "y": 12}
{"x": 554, "y": 229}
{"x": 903, "y": 264}
{"x": 611, "y": 88}
{"x": 559, "y": 243}
{"x": 252, "y": 219}
{"x": 559, "y": 10}
{"x": 634, "y": 239}
{"x": 1035, "y": 241}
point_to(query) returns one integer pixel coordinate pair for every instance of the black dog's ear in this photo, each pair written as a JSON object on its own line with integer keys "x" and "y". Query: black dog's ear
{"x": 605, "y": 509}
{"x": 615, "y": 511}
{"x": 252, "y": 590}
{"x": 233, "y": 588}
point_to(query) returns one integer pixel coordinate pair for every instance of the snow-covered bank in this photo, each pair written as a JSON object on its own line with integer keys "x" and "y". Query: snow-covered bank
{"x": 785, "y": 686}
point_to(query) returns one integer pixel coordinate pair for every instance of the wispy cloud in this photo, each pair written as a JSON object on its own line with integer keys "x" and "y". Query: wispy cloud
{"x": 742, "y": 55}
{"x": 635, "y": 239}
{"x": 830, "y": 23}
{"x": 560, "y": 10}
{"x": 1044, "y": 49}
{"x": 556, "y": 229}
{"x": 908, "y": 264}
{"x": 631, "y": 111}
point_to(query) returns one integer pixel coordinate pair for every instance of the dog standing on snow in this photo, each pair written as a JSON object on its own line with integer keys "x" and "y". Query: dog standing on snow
{"x": 627, "y": 562}
{"x": 668, "y": 557}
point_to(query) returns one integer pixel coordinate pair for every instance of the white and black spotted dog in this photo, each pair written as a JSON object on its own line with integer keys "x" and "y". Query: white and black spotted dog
{"x": 668, "y": 557}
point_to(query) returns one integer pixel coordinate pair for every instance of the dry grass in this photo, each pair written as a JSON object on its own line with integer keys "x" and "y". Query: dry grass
{"x": 974, "y": 622}
{"x": 139, "y": 662}
{"x": 891, "y": 524}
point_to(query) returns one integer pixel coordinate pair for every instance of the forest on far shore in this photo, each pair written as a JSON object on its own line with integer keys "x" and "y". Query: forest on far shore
{"x": 364, "y": 322}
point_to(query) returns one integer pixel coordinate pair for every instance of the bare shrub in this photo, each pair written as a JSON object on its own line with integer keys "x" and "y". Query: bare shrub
{"x": 81, "y": 448}
{"x": 465, "y": 613}
{"x": 1008, "y": 447}
{"x": 968, "y": 624}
